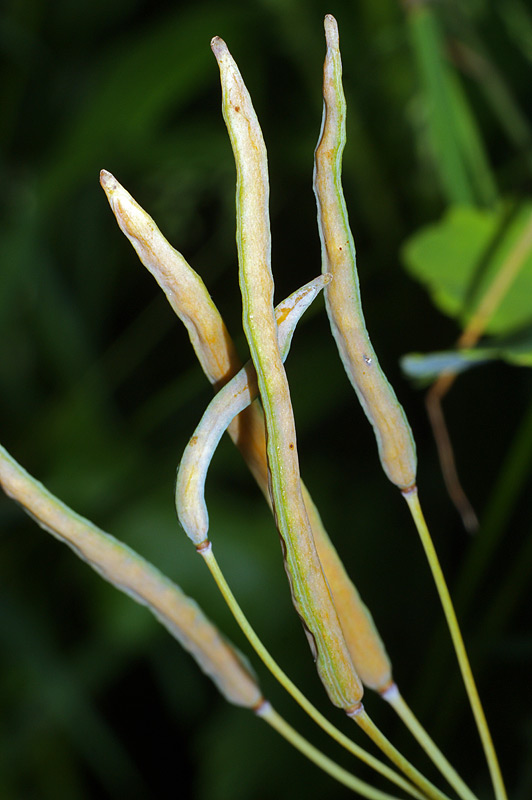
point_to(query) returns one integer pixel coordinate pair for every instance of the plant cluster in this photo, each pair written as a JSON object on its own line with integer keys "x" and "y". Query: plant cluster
{"x": 252, "y": 402}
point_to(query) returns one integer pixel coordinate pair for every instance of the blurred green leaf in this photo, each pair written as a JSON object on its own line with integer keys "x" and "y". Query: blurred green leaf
{"x": 457, "y": 258}
{"x": 515, "y": 350}
{"x": 518, "y": 19}
{"x": 452, "y": 130}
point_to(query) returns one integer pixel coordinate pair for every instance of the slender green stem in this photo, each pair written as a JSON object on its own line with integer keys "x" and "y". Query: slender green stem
{"x": 467, "y": 675}
{"x": 396, "y": 700}
{"x": 370, "y": 729}
{"x": 269, "y": 715}
{"x": 289, "y": 686}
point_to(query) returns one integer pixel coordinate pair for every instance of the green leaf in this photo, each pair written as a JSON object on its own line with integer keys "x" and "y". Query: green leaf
{"x": 423, "y": 368}
{"x": 453, "y": 133}
{"x": 426, "y": 367}
{"x": 457, "y": 258}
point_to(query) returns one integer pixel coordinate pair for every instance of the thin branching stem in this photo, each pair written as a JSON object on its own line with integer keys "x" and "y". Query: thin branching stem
{"x": 366, "y": 724}
{"x": 291, "y": 688}
{"x": 412, "y": 500}
{"x": 403, "y": 710}
{"x": 269, "y": 715}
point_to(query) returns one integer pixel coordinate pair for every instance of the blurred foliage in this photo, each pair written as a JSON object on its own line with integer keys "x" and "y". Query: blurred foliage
{"x": 425, "y": 367}
{"x": 459, "y": 258}
{"x": 100, "y": 392}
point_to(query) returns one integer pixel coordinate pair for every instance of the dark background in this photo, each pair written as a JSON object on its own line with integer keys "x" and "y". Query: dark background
{"x": 100, "y": 389}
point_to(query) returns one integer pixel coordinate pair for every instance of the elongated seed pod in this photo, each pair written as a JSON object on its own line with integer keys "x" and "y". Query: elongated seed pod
{"x": 310, "y": 593}
{"x": 248, "y": 429}
{"x": 139, "y": 579}
{"x": 227, "y": 404}
{"x": 184, "y": 289}
{"x": 191, "y": 302}
{"x": 394, "y": 438}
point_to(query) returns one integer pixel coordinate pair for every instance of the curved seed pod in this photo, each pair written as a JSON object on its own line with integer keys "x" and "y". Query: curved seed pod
{"x": 184, "y": 289}
{"x": 310, "y": 593}
{"x": 394, "y": 437}
{"x": 227, "y": 404}
{"x": 139, "y": 579}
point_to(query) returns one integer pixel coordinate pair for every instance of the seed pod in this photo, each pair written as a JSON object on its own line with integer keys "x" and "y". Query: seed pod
{"x": 139, "y": 579}
{"x": 361, "y": 635}
{"x": 309, "y": 588}
{"x": 394, "y": 437}
{"x": 233, "y": 398}
{"x": 184, "y": 289}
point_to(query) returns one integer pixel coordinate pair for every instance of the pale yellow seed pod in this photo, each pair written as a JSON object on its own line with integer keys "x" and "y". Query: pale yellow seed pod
{"x": 190, "y": 300}
{"x": 139, "y": 579}
{"x": 361, "y": 635}
{"x": 394, "y": 438}
{"x": 184, "y": 289}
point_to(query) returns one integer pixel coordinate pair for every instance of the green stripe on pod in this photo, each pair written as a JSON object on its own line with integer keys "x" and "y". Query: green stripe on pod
{"x": 395, "y": 443}
{"x": 310, "y": 593}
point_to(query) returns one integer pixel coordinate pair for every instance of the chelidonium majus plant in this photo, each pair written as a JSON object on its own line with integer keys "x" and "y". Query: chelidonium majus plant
{"x": 252, "y": 402}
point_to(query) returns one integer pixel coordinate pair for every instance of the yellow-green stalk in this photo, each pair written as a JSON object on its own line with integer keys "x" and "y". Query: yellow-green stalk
{"x": 206, "y": 551}
{"x": 278, "y": 723}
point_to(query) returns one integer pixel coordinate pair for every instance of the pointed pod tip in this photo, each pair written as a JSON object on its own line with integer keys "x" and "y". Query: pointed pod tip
{"x": 107, "y": 181}
{"x": 331, "y": 31}
{"x": 218, "y": 46}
